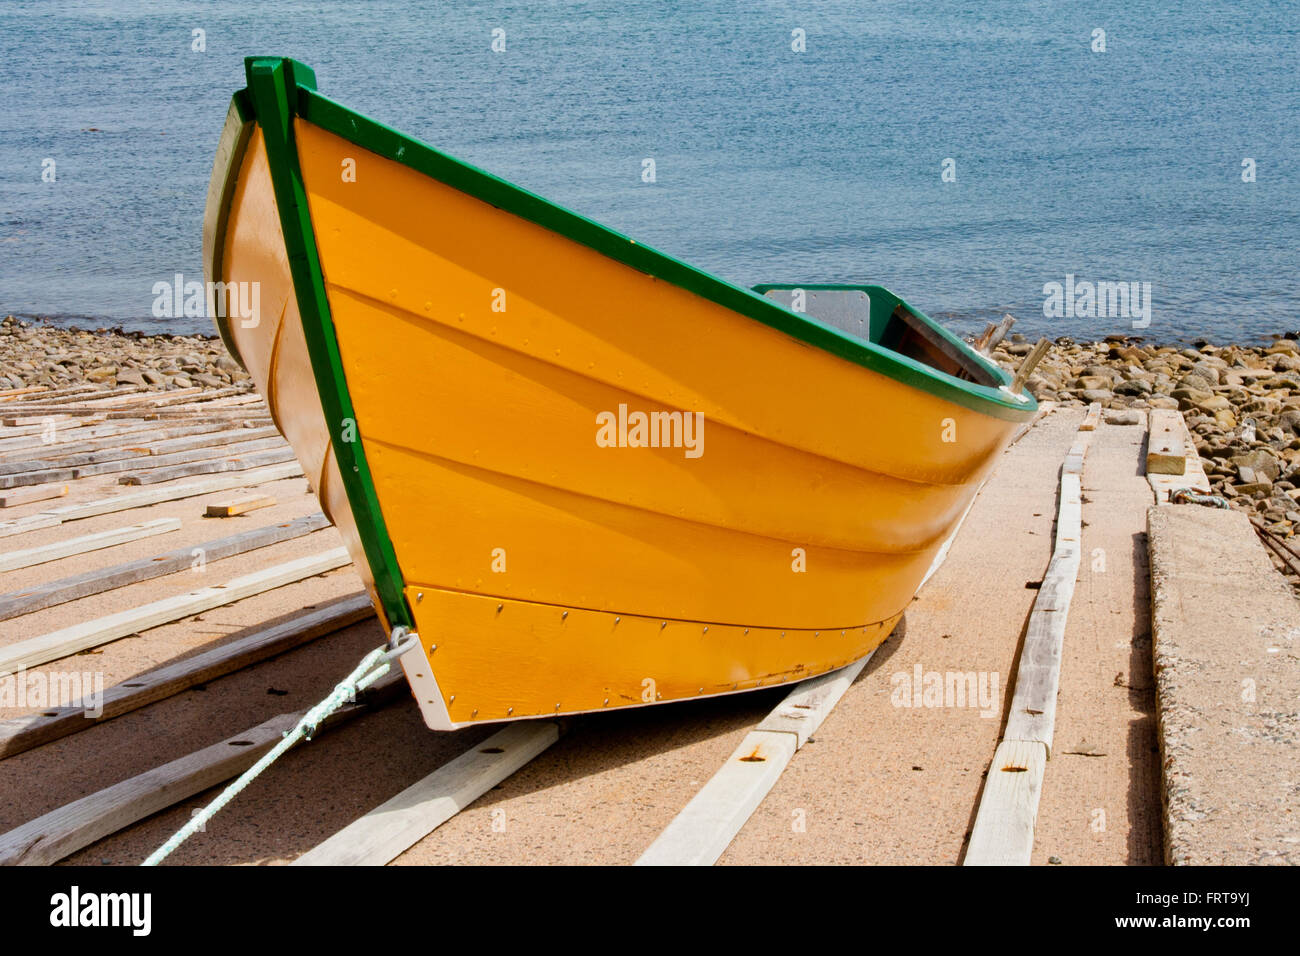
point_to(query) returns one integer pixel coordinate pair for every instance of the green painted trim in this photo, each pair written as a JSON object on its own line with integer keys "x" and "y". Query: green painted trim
{"x": 391, "y": 144}
{"x": 272, "y": 82}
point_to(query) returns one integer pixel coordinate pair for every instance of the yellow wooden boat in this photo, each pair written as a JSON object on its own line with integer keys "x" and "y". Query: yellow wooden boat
{"x": 586, "y": 474}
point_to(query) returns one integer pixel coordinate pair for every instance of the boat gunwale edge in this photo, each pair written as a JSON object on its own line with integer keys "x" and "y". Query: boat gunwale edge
{"x": 272, "y": 82}
{"x": 398, "y": 147}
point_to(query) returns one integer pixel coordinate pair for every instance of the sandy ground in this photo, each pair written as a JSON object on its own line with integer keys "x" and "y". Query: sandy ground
{"x": 878, "y": 783}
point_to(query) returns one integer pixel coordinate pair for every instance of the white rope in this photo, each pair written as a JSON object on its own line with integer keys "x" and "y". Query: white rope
{"x": 372, "y": 667}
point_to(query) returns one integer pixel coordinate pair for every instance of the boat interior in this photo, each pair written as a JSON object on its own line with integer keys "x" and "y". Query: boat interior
{"x": 874, "y": 314}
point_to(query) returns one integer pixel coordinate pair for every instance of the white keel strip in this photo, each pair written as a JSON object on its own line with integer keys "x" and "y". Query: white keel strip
{"x": 706, "y": 826}
{"x": 396, "y": 825}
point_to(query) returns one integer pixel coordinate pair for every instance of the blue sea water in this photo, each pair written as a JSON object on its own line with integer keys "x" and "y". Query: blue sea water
{"x": 771, "y": 164}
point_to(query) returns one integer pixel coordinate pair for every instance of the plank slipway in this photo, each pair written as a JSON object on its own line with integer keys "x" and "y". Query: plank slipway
{"x": 877, "y": 782}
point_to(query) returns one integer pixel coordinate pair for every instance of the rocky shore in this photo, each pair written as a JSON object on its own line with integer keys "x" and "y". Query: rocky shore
{"x": 1241, "y": 403}
{"x": 32, "y": 354}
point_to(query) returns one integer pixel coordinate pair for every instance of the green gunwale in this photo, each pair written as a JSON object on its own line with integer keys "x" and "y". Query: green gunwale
{"x": 272, "y": 86}
{"x": 877, "y": 294}
{"x": 391, "y": 144}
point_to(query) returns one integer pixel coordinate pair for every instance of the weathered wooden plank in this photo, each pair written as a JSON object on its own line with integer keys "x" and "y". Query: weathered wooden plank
{"x": 197, "y": 396}
{"x": 69, "y": 460}
{"x": 1092, "y": 419}
{"x": 1032, "y": 715}
{"x": 92, "y": 397}
{"x": 398, "y": 824}
{"x": 25, "y": 496}
{"x": 51, "y": 837}
{"x": 29, "y": 557}
{"x": 28, "y": 523}
{"x": 1003, "y": 834}
{"x": 76, "y": 825}
{"x": 8, "y": 431}
{"x": 243, "y": 463}
{"x": 238, "y": 506}
{"x": 133, "y": 434}
{"x": 1192, "y": 473}
{"x": 76, "y": 435}
{"x": 705, "y": 827}
{"x": 1166, "y": 442}
{"x": 50, "y": 593}
{"x": 70, "y": 640}
{"x": 808, "y": 704}
{"x": 88, "y": 509}
{"x": 23, "y": 733}
{"x": 9, "y": 393}
{"x": 149, "y": 462}
{"x": 233, "y": 436}
{"x": 41, "y": 477}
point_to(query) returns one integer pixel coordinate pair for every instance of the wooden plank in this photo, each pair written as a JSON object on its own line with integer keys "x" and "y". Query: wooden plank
{"x": 134, "y": 435}
{"x": 197, "y": 395}
{"x": 99, "y": 506}
{"x": 999, "y": 333}
{"x": 29, "y": 523}
{"x": 10, "y": 432}
{"x": 26, "y": 496}
{"x": 1092, "y": 419}
{"x": 154, "y": 495}
{"x": 19, "y": 734}
{"x": 1032, "y": 713}
{"x": 66, "y": 460}
{"x": 28, "y": 557}
{"x": 75, "y": 434}
{"x": 256, "y": 460}
{"x": 1003, "y": 834}
{"x": 808, "y": 704}
{"x": 705, "y": 827}
{"x": 64, "y": 831}
{"x": 43, "y": 391}
{"x": 36, "y": 415}
{"x": 1028, "y": 364}
{"x": 95, "y": 398}
{"x": 79, "y": 637}
{"x": 1192, "y": 473}
{"x": 238, "y": 506}
{"x": 398, "y": 824}
{"x": 9, "y": 393}
{"x": 200, "y": 441}
{"x": 44, "y": 476}
{"x": 147, "y": 462}
{"x": 50, "y": 593}
{"x": 76, "y": 825}
{"x": 1166, "y": 442}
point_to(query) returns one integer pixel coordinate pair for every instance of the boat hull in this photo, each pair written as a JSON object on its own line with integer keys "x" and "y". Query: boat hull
{"x": 553, "y": 555}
